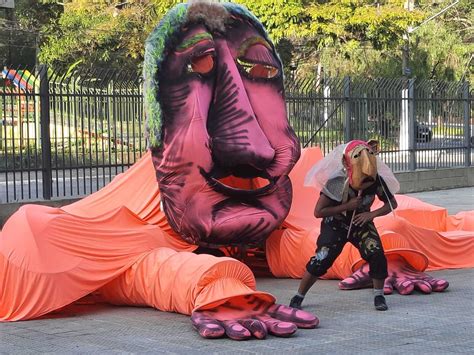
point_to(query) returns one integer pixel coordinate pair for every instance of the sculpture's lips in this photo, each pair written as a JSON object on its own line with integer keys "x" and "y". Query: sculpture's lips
{"x": 244, "y": 186}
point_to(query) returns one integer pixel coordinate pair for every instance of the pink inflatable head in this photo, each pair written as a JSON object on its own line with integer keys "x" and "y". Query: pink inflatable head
{"x": 224, "y": 124}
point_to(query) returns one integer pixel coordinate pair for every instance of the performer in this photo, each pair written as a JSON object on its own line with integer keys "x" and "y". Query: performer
{"x": 344, "y": 206}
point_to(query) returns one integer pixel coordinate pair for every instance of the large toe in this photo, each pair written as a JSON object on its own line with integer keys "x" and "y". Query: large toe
{"x": 439, "y": 285}
{"x": 207, "y": 327}
{"x": 423, "y": 286}
{"x": 256, "y": 327}
{"x": 404, "y": 287}
{"x": 279, "y": 328}
{"x": 301, "y": 319}
{"x": 236, "y": 331}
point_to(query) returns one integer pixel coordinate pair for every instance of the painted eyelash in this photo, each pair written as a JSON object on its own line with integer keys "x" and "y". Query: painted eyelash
{"x": 247, "y": 66}
{"x": 193, "y": 40}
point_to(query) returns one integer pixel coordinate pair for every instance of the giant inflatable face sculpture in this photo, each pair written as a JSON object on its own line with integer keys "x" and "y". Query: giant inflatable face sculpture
{"x": 217, "y": 120}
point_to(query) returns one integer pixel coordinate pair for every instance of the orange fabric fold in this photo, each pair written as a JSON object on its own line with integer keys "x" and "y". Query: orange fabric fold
{"x": 444, "y": 250}
{"x": 181, "y": 282}
{"x": 49, "y": 258}
{"x": 461, "y": 221}
{"x": 137, "y": 190}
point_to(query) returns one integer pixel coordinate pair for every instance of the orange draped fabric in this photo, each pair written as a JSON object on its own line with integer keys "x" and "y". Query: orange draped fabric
{"x": 137, "y": 190}
{"x": 119, "y": 242}
{"x": 181, "y": 282}
{"x": 50, "y": 258}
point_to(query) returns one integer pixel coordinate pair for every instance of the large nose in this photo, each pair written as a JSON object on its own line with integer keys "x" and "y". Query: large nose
{"x": 368, "y": 166}
{"x": 237, "y": 138}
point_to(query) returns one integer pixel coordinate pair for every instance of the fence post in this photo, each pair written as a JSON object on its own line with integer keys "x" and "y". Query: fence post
{"x": 45, "y": 134}
{"x": 347, "y": 109}
{"x": 412, "y": 133}
{"x": 467, "y": 123}
{"x": 3, "y": 121}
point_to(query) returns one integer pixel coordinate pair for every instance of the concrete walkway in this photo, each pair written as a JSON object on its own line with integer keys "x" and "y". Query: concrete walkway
{"x": 440, "y": 323}
{"x": 454, "y": 200}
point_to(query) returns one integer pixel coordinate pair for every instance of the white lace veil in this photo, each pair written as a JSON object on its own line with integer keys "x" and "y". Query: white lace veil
{"x": 331, "y": 168}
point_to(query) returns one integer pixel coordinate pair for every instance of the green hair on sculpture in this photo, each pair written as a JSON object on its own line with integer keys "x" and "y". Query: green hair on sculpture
{"x": 155, "y": 51}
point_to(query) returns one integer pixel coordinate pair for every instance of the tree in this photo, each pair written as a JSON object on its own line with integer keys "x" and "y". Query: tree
{"x": 20, "y": 34}
{"x": 443, "y": 48}
{"x": 355, "y": 37}
{"x": 350, "y": 36}
{"x": 34, "y": 15}
{"x": 100, "y": 33}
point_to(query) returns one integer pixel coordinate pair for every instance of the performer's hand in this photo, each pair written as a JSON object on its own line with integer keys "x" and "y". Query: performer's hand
{"x": 253, "y": 317}
{"x": 362, "y": 218}
{"x": 401, "y": 276}
{"x": 353, "y": 203}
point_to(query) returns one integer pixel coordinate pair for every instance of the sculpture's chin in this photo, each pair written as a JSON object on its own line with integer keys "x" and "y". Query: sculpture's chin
{"x": 216, "y": 219}
{"x": 251, "y": 218}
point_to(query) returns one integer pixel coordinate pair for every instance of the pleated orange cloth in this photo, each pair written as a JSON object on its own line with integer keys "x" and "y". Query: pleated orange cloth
{"x": 118, "y": 241}
{"x": 137, "y": 190}
{"x": 50, "y": 258}
{"x": 181, "y": 282}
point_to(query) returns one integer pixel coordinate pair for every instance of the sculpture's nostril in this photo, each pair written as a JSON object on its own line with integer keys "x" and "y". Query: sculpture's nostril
{"x": 264, "y": 157}
{"x": 252, "y": 157}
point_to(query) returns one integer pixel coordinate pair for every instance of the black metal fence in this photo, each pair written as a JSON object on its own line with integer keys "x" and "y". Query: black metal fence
{"x": 68, "y": 134}
{"x": 421, "y": 124}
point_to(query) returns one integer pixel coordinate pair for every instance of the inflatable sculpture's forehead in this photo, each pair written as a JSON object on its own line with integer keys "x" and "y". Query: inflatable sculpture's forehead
{"x": 164, "y": 38}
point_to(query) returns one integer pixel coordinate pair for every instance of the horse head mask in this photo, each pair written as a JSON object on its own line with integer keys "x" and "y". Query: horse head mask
{"x": 360, "y": 162}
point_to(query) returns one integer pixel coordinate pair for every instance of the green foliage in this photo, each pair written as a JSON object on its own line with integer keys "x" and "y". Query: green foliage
{"x": 33, "y": 14}
{"x": 360, "y": 38}
{"x": 363, "y": 21}
{"x": 341, "y": 35}
{"x": 98, "y": 33}
{"x": 443, "y": 49}
{"x": 344, "y": 37}
{"x": 281, "y": 18}
{"x": 354, "y": 59}
{"x": 19, "y": 36}
{"x": 82, "y": 32}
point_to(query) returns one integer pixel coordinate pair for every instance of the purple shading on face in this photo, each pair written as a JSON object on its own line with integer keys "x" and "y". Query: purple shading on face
{"x": 224, "y": 120}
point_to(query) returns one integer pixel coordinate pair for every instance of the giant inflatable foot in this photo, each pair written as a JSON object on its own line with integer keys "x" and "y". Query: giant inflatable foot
{"x": 247, "y": 316}
{"x": 219, "y": 293}
{"x": 403, "y": 276}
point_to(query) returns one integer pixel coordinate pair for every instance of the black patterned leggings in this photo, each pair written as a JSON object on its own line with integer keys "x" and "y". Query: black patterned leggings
{"x": 333, "y": 238}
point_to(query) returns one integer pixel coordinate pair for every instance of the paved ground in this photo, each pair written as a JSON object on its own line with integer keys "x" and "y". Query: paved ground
{"x": 440, "y": 323}
{"x": 454, "y": 200}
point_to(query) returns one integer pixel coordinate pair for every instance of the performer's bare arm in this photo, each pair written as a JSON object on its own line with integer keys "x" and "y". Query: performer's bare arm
{"x": 365, "y": 217}
{"x": 325, "y": 206}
